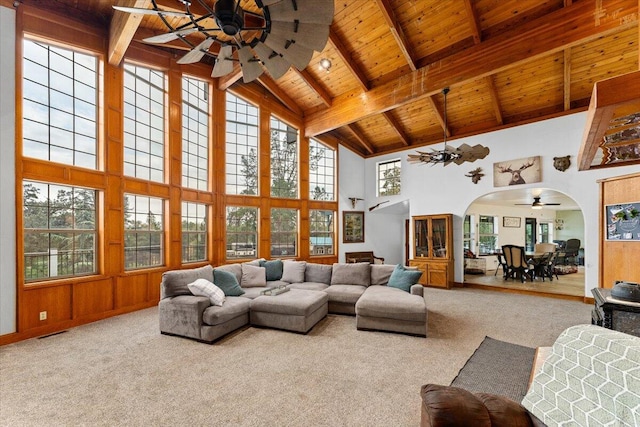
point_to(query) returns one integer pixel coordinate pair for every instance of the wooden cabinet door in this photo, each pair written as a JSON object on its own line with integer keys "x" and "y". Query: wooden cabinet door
{"x": 422, "y": 266}
{"x": 437, "y": 275}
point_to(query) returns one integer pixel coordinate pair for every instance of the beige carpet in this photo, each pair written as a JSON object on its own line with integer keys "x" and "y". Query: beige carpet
{"x": 122, "y": 371}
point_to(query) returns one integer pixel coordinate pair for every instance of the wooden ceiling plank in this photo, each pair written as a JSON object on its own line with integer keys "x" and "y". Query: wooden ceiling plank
{"x": 314, "y": 85}
{"x": 282, "y": 96}
{"x": 123, "y": 27}
{"x": 348, "y": 60}
{"x": 397, "y": 128}
{"x": 556, "y": 31}
{"x": 474, "y": 23}
{"x": 495, "y": 102}
{"x": 439, "y": 114}
{"x": 361, "y": 138}
{"x": 567, "y": 79}
{"x": 398, "y": 34}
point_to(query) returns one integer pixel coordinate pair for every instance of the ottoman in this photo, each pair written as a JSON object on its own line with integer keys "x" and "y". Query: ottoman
{"x": 297, "y": 310}
{"x": 384, "y": 308}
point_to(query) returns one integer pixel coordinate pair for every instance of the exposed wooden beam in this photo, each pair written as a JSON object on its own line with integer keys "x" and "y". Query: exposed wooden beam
{"x": 439, "y": 114}
{"x": 567, "y": 79}
{"x": 474, "y": 22}
{"x": 570, "y": 26}
{"x": 225, "y": 82}
{"x": 396, "y": 30}
{"x": 361, "y": 138}
{"x": 314, "y": 85}
{"x": 348, "y": 60}
{"x": 282, "y": 96}
{"x": 495, "y": 101}
{"x": 397, "y": 128}
{"x": 175, "y": 5}
{"x": 123, "y": 27}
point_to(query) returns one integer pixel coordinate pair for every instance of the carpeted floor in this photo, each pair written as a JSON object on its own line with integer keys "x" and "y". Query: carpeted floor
{"x": 121, "y": 371}
{"x": 497, "y": 367}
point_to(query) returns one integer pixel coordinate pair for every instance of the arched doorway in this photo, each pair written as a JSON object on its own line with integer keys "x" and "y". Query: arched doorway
{"x": 510, "y": 217}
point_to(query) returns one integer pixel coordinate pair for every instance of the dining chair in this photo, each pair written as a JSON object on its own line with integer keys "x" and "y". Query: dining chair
{"x": 517, "y": 266}
{"x": 501, "y": 263}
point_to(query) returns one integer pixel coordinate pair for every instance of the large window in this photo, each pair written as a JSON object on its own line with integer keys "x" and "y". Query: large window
{"x": 195, "y": 133}
{"x": 389, "y": 178}
{"x": 59, "y": 105}
{"x": 59, "y": 231}
{"x": 143, "y": 232}
{"x": 284, "y": 232}
{"x": 242, "y": 147}
{"x": 321, "y": 232}
{"x": 144, "y": 134}
{"x": 194, "y": 232}
{"x": 284, "y": 160}
{"x": 322, "y": 171}
{"x": 487, "y": 234}
{"x": 242, "y": 232}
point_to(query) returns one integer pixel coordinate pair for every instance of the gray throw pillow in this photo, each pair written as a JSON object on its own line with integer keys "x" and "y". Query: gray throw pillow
{"x": 274, "y": 269}
{"x": 380, "y": 273}
{"x": 253, "y": 277}
{"x": 351, "y": 274}
{"x": 293, "y": 271}
{"x": 175, "y": 282}
{"x": 318, "y": 273}
{"x": 227, "y": 281}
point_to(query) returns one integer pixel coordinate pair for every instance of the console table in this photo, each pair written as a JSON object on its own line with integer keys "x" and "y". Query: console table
{"x": 619, "y": 315}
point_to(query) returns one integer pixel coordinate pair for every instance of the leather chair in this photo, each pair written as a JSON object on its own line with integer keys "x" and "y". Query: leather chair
{"x": 570, "y": 253}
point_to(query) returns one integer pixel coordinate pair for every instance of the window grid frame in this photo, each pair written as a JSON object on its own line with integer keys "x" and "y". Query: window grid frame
{"x": 324, "y": 175}
{"x": 280, "y": 127}
{"x": 279, "y": 238}
{"x": 234, "y": 150}
{"x": 233, "y": 252}
{"x": 314, "y": 214}
{"x": 385, "y": 167}
{"x": 139, "y": 233}
{"x": 190, "y": 251}
{"x": 195, "y": 155}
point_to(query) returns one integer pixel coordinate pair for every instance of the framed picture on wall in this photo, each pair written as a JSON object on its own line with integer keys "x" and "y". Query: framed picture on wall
{"x": 623, "y": 221}
{"x": 352, "y": 226}
{"x": 518, "y": 171}
{"x": 511, "y": 221}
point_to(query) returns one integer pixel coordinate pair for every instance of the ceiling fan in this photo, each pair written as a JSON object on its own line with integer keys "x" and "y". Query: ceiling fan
{"x": 282, "y": 33}
{"x": 537, "y": 204}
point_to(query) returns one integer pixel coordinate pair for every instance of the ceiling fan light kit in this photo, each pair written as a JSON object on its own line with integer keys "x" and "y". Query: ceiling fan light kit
{"x": 288, "y": 34}
{"x": 537, "y": 204}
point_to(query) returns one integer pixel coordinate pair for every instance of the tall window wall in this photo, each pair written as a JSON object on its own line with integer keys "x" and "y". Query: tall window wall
{"x": 284, "y": 232}
{"x": 195, "y": 133}
{"x": 284, "y": 160}
{"x": 144, "y": 115}
{"x": 143, "y": 232}
{"x": 194, "y": 232}
{"x": 59, "y": 105}
{"x": 241, "y": 232}
{"x": 241, "y": 157}
{"x": 322, "y": 171}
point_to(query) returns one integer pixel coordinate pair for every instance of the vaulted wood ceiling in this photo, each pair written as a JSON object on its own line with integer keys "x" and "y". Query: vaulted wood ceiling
{"x": 507, "y": 62}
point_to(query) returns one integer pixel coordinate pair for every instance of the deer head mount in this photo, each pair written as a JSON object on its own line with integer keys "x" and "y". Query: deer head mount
{"x": 516, "y": 174}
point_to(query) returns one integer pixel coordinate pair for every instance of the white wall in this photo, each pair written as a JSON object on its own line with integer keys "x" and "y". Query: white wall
{"x": 573, "y": 227}
{"x": 439, "y": 189}
{"x": 7, "y": 172}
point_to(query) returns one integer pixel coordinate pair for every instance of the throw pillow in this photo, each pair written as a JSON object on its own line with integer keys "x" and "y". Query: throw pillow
{"x": 175, "y": 282}
{"x": 403, "y": 278}
{"x": 318, "y": 273}
{"x": 380, "y": 273}
{"x": 253, "y": 277}
{"x": 205, "y": 288}
{"x": 293, "y": 271}
{"x": 227, "y": 281}
{"x": 358, "y": 273}
{"x": 236, "y": 269}
{"x": 274, "y": 269}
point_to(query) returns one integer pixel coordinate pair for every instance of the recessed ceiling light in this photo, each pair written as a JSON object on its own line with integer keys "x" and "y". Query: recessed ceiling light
{"x": 325, "y": 64}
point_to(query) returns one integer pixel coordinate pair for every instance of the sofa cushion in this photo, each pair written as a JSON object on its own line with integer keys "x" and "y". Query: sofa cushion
{"x": 232, "y": 308}
{"x": 311, "y": 286}
{"x": 402, "y": 278}
{"x": 253, "y": 276}
{"x": 236, "y": 269}
{"x": 273, "y": 268}
{"x": 351, "y": 274}
{"x": 205, "y": 288}
{"x": 347, "y": 294}
{"x": 318, "y": 273}
{"x": 380, "y": 273}
{"x": 296, "y": 302}
{"x": 175, "y": 282}
{"x": 293, "y": 271}
{"x": 252, "y": 293}
{"x": 227, "y": 281}
{"x": 391, "y": 303}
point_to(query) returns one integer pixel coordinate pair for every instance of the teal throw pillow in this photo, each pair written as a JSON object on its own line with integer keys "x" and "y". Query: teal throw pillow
{"x": 228, "y": 282}
{"x": 402, "y": 278}
{"x": 274, "y": 269}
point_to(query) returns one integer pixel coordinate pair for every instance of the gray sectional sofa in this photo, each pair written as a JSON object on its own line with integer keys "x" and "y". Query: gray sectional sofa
{"x": 358, "y": 289}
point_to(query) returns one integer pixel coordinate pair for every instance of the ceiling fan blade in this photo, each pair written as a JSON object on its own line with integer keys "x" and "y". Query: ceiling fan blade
{"x": 313, "y": 36}
{"x": 168, "y": 37}
{"x": 197, "y": 52}
{"x": 296, "y": 54}
{"x": 251, "y": 70}
{"x": 312, "y": 12}
{"x": 224, "y": 62}
{"x": 270, "y": 2}
{"x": 275, "y": 64}
{"x": 141, "y": 11}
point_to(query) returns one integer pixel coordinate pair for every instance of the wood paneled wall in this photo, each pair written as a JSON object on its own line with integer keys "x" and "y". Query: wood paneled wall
{"x": 73, "y": 301}
{"x": 619, "y": 258}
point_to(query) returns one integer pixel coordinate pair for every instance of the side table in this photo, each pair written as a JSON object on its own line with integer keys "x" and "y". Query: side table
{"x": 611, "y": 313}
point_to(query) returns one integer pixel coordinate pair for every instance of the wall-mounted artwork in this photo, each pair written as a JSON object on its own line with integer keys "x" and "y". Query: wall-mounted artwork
{"x": 518, "y": 171}
{"x": 352, "y": 226}
{"x": 623, "y": 221}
